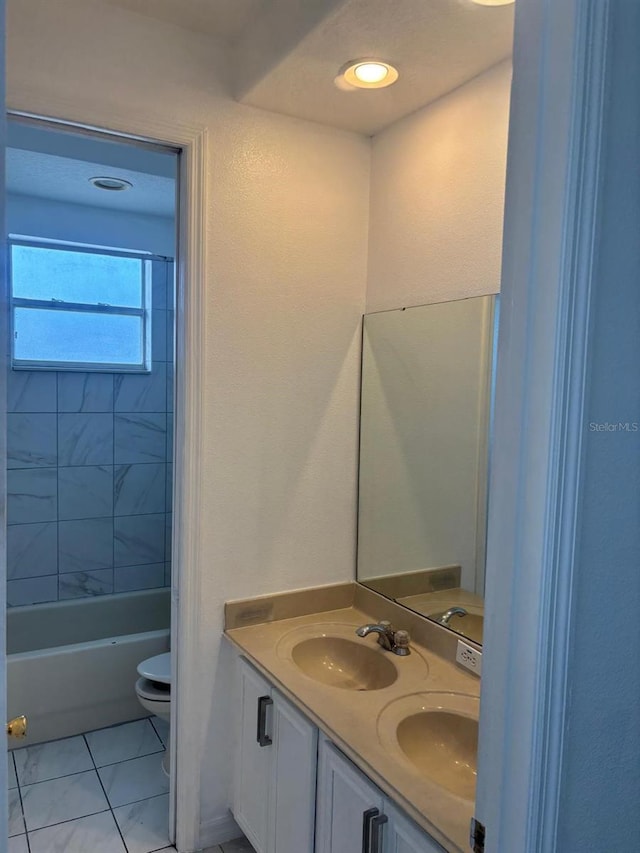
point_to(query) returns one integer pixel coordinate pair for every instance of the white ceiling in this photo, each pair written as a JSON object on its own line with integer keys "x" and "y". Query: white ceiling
{"x": 287, "y": 52}
{"x": 436, "y": 45}
{"x": 63, "y": 179}
{"x": 57, "y": 166}
{"x": 222, "y": 18}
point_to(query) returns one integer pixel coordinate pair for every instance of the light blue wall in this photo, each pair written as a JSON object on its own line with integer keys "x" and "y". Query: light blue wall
{"x": 600, "y": 796}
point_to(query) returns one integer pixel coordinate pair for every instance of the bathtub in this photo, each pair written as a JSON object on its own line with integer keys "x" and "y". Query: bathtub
{"x": 71, "y": 665}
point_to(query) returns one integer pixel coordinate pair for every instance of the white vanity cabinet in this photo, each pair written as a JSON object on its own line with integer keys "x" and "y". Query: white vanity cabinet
{"x": 276, "y": 800}
{"x": 354, "y": 816}
{"x": 275, "y": 781}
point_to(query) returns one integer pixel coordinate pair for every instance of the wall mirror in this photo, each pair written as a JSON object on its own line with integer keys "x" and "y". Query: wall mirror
{"x": 426, "y": 401}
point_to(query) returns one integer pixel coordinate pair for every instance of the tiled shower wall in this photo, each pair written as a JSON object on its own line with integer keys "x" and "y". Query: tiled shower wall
{"x": 90, "y": 472}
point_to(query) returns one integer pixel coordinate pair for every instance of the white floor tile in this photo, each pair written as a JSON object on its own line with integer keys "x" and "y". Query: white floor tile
{"x": 18, "y": 844}
{"x": 120, "y": 743}
{"x": 145, "y": 825}
{"x": 134, "y": 780}
{"x": 95, "y": 834}
{"x": 51, "y": 760}
{"x": 162, "y": 727}
{"x": 11, "y": 769}
{"x": 62, "y": 799}
{"x": 238, "y": 845}
{"x": 16, "y": 823}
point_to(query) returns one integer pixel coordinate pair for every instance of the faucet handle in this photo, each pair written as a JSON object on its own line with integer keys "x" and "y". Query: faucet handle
{"x": 401, "y": 641}
{"x": 384, "y": 623}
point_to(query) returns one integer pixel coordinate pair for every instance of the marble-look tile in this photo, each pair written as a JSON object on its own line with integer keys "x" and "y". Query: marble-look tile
{"x": 145, "y": 825}
{"x": 97, "y": 833}
{"x": 162, "y": 728}
{"x": 159, "y": 335}
{"x": 170, "y": 334}
{"x": 85, "y": 439}
{"x": 31, "y": 441}
{"x": 170, "y": 436}
{"x": 31, "y": 391}
{"x": 140, "y": 438}
{"x": 32, "y": 550}
{"x": 169, "y": 488}
{"x": 85, "y": 492}
{"x": 85, "y": 392}
{"x": 139, "y": 539}
{"x": 168, "y": 535}
{"x": 70, "y": 797}
{"x": 85, "y": 545}
{"x": 129, "y": 578}
{"x": 16, "y": 823}
{"x": 134, "y": 780}
{"x": 32, "y": 495}
{"x": 159, "y": 284}
{"x": 139, "y": 489}
{"x": 170, "y": 384}
{"x": 121, "y": 743}
{"x": 238, "y": 845}
{"x": 12, "y": 779}
{"x": 142, "y": 392}
{"x": 32, "y": 590}
{"x": 45, "y": 761}
{"x": 18, "y": 844}
{"x": 85, "y": 584}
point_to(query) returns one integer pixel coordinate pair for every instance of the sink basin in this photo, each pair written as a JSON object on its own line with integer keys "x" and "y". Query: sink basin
{"x": 442, "y": 745}
{"x": 343, "y": 663}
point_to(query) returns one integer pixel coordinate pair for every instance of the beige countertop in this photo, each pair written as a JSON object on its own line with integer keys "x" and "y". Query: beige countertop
{"x": 363, "y": 723}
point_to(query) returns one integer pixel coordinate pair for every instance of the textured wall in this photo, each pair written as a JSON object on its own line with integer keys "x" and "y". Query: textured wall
{"x": 437, "y": 198}
{"x": 287, "y": 228}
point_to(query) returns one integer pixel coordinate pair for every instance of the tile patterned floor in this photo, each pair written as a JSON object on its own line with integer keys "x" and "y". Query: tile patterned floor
{"x": 103, "y": 792}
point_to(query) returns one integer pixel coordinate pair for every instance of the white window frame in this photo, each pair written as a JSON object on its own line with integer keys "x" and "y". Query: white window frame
{"x": 144, "y": 312}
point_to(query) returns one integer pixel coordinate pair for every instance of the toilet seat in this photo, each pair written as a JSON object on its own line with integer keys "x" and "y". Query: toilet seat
{"x": 157, "y": 668}
{"x": 153, "y": 693}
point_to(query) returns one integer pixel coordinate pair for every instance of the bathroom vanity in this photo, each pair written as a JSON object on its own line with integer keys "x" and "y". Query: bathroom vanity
{"x": 343, "y": 746}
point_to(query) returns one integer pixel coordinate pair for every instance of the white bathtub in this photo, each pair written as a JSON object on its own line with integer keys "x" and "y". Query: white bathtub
{"x": 71, "y": 665}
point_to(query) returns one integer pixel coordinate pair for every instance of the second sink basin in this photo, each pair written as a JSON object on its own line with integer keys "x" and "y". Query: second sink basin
{"x": 339, "y": 662}
{"x": 443, "y": 746}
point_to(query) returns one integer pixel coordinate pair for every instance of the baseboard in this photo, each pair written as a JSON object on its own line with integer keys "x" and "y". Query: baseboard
{"x": 218, "y": 830}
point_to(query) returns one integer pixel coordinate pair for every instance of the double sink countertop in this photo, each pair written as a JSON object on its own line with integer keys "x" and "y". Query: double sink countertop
{"x": 279, "y": 636}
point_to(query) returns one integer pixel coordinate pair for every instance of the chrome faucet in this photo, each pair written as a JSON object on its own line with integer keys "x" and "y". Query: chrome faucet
{"x": 390, "y": 640}
{"x": 452, "y": 611}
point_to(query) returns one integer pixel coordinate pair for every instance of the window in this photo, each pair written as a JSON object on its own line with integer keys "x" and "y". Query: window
{"x": 75, "y": 308}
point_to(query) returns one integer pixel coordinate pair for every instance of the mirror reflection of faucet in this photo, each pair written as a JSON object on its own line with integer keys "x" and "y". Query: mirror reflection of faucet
{"x": 452, "y": 611}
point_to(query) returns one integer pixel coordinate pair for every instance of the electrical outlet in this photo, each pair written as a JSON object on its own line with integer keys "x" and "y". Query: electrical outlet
{"x": 469, "y": 658}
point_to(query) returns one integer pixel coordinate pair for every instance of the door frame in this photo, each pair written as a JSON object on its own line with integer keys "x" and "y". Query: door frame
{"x": 187, "y": 557}
{"x": 550, "y": 238}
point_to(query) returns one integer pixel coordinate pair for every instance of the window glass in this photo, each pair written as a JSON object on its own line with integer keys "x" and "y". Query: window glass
{"x": 62, "y": 336}
{"x": 40, "y": 272}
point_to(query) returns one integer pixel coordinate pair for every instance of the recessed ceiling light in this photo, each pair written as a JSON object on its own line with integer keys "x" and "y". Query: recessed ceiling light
{"x": 114, "y": 185}
{"x": 366, "y": 74}
{"x": 493, "y": 2}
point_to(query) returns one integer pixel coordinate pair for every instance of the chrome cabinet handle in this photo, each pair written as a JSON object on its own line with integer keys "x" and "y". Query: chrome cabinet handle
{"x": 376, "y": 833}
{"x": 263, "y": 738}
{"x": 367, "y": 817}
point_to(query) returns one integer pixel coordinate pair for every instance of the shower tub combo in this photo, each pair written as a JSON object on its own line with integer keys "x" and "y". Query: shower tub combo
{"x": 71, "y": 665}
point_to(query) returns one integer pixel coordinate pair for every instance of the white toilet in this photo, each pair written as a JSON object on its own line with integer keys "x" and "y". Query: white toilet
{"x": 153, "y": 689}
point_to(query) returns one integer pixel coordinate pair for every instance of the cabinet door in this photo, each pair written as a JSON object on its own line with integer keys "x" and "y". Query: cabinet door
{"x": 401, "y": 835}
{"x": 253, "y": 768}
{"x": 345, "y": 795}
{"x": 293, "y": 779}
